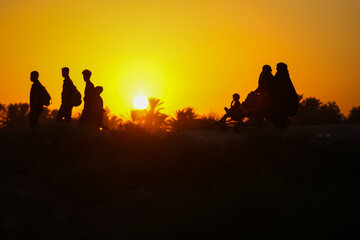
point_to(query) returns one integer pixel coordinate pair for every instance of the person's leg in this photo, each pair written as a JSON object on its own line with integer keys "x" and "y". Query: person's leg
{"x": 39, "y": 112}
{"x": 67, "y": 114}
{"x": 84, "y": 116}
{"x": 81, "y": 119}
{"x": 223, "y": 119}
{"x": 60, "y": 115}
{"x": 32, "y": 118}
{"x": 237, "y": 115}
{"x": 34, "y": 115}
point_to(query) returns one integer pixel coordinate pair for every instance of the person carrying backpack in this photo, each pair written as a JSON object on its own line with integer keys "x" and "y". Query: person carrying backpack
{"x": 38, "y": 98}
{"x": 70, "y": 97}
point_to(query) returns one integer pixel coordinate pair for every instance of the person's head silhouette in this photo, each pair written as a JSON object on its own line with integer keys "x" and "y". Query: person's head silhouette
{"x": 281, "y": 67}
{"x": 86, "y": 74}
{"x": 236, "y": 97}
{"x": 266, "y": 68}
{"x": 99, "y": 90}
{"x": 34, "y": 76}
{"x": 65, "y": 72}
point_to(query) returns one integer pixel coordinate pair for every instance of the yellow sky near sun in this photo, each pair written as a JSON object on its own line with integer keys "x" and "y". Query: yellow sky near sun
{"x": 187, "y": 53}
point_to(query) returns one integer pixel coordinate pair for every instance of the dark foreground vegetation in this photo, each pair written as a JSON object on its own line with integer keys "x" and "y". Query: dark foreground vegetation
{"x": 62, "y": 182}
{"x": 311, "y": 112}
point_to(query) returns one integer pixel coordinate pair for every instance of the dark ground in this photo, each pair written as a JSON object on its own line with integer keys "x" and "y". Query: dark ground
{"x": 68, "y": 183}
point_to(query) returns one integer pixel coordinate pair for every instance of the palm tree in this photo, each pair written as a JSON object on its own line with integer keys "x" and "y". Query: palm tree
{"x": 155, "y": 105}
{"x": 151, "y": 118}
{"x": 184, "y": 119}
{"x": 155, "y": 119}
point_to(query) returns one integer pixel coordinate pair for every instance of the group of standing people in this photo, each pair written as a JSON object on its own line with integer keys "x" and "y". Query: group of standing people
{"x": 274, "y": 99}
{"x": 70, "y": 97}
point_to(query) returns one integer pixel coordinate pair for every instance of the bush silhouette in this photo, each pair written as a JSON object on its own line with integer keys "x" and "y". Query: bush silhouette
{"x": 354, "y": 116}
{"x": 185, "y": 119}
{"x": 312, "y": 112}
{"x": 188, "y": 119}
{"x": 3, "y": 117}
{"x": 14, "y": 115}
{"x": 112, "y": 121}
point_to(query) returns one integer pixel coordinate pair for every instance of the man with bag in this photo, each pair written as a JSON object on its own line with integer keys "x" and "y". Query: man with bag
{"x": 38, "y": 98}
{"x": 70, "y": 97}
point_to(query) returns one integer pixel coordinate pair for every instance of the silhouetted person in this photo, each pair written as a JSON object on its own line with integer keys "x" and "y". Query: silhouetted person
{"x": 234, "y": 110}
{"x": 264, "y": 93}
{"x": 66, "y": 97}
{"x": 266, "y": 81}
{"x": 286, "y": 102}
{"x": 258, "y": 103}
{"x": 38, "y": 98}
{"x": 98, "y": 107}
{"x": 87, "y": 115}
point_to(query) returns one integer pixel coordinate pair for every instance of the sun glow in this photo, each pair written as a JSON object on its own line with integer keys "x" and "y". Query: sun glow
{"x": 141, "y": 102}
{"x": 186, "y": 53}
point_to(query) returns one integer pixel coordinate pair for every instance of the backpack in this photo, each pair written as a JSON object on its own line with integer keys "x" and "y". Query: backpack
{"x": 75, "y": 97}
{"x": 44, "y": 97}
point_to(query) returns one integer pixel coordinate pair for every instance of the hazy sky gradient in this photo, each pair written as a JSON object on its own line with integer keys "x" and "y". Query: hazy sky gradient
{"x": 188, "y": 53}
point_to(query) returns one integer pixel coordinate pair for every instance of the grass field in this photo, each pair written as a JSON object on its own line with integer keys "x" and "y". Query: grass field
{"x": 62, "y": 182}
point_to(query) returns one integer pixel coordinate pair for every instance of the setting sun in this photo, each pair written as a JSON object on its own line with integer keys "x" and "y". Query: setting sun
{"x": 141, "y": 102}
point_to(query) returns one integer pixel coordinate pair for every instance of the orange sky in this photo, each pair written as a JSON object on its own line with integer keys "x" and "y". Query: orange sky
{"x": 188, "y": 53}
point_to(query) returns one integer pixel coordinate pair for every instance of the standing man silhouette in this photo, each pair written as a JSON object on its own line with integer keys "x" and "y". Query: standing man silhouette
{"x": 87, "y": 114}
{"x": 36, "y": 101}
{"x": 66, "y": 97}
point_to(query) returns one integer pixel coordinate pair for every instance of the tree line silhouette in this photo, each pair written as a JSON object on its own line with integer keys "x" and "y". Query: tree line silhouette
{"x": 312, "y": 111}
